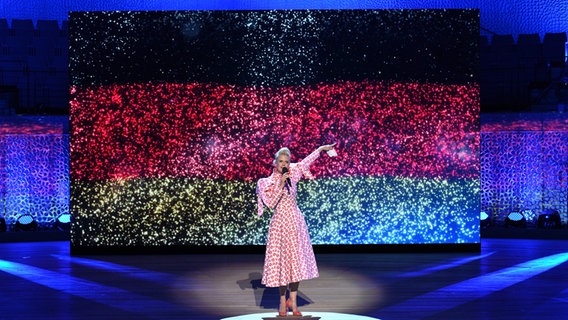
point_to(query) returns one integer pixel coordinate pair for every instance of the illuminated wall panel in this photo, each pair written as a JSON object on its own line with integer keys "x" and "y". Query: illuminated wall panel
{"x": 34, "y": 177}
{"x": 524, "y": 165}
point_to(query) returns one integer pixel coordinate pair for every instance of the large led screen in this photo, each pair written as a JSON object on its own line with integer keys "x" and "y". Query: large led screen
{"x": 175, "y": 116}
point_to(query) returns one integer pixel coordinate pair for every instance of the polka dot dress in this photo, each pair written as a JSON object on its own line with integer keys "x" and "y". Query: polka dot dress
{"x": 289, "y": 254}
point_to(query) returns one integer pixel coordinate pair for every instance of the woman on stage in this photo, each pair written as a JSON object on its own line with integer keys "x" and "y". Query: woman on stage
{"x": 289, "y": 255}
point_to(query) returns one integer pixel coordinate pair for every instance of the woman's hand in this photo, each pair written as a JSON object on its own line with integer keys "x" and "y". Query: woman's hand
{"x": 327, "y": 147}
{"x": 283, "y": 179}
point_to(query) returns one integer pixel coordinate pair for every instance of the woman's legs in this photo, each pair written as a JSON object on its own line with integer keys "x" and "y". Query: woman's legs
{"x": 283, "y": 307}
{"x": 294, "y": 296}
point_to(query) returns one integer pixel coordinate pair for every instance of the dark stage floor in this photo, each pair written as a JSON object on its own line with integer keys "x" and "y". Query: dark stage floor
{"x": 509, "y": 279}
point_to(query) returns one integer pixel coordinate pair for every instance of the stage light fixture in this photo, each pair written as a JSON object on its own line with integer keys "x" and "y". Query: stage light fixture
{"x": 484, "y": 219}
{"x": 549, "y": 219}
{"x": 2, "y": 224}
{"x": 26, "y": 222}
{"x": 516, "y": 219}
{"x": 63, "y": 222}
{"x": 530, "y": 215}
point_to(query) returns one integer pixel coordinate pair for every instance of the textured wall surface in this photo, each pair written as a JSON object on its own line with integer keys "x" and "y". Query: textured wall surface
{"x": 503, "y": 17}
{"x": 34, "y": 177}
{"x": 524, "y": 166}
{"x": 34, "y": 168}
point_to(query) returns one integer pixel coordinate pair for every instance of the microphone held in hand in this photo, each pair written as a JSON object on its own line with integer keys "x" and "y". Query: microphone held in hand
{"x": 284, "y": 170}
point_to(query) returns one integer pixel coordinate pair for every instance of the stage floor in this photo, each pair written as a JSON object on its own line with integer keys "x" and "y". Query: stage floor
{"x": 508, "y": 279}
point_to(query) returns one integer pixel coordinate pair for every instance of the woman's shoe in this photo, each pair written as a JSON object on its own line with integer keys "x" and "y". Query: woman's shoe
{"x": 285, "y": 313}
{"x": 294, "y": 313}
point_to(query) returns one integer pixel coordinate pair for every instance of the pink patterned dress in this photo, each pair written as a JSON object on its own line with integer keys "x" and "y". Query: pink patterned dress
{"x": 289, "y": 253}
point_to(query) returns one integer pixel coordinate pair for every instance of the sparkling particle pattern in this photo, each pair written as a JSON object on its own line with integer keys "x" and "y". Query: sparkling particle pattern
{"x": 154, "y": 159}
{"x": 222, "y": 132}
{"x": 274, "y": 48}
{"x": 176, "y": 115}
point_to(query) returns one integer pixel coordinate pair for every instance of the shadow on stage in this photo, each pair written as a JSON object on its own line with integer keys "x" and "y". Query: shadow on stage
{"x": 268, "y": 298}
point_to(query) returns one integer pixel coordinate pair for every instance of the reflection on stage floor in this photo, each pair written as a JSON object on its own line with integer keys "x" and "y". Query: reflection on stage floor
{"x": 508, "y": 279}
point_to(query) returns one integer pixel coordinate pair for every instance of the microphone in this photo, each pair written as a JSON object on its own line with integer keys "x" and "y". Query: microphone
{"x": 284, "y": 170}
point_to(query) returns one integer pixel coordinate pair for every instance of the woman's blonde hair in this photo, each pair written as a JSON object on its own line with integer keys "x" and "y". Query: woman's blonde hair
{"x": 283, "y": 151}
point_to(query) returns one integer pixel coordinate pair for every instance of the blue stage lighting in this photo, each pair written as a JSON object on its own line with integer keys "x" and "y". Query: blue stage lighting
{"x": 484, "y": 219}
{"x": 516, "y": 219}
{"x": 549, "y": 219}
{"x": 63, "y": 222}
{"x": 26, "y": 222}
{"x": 531, "y": 216}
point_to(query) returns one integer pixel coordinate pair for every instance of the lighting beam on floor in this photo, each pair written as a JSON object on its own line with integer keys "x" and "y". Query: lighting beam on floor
{"x": 453, "y": 264}
{"x": 111, "y": 296}
{"x": 457, "y": 294}
{"x": 132, "y": 272}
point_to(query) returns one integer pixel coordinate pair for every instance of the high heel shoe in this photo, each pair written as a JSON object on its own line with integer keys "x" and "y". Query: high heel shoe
{"x": 294, "y": 313}
{"x": 285, "y": 313}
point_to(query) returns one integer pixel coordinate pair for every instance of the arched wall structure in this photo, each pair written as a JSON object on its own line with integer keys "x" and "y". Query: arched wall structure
{"x": 501, "y": 17}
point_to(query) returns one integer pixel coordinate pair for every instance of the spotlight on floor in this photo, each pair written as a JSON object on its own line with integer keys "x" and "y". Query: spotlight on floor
{"x": 2, "y": 224}
{"x": 516, "y": 219}
{"x": 26, "y": 222}
{"x": 485, "y": 222}
{"x": 549, "y": 219}
{"x": 63, "y": 222}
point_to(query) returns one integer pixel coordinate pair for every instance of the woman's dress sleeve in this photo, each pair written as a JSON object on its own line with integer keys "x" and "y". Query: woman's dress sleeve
{"x": 269, "y": 192}
{"x": 305, "y": 164}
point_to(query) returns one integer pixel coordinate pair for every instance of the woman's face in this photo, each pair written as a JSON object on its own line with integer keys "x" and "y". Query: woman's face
{"x": 282, "y": 161}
